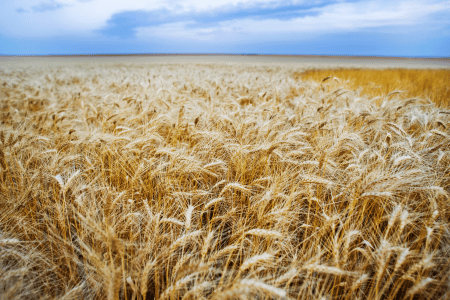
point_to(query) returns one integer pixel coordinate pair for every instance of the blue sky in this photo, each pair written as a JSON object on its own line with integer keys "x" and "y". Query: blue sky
{"x": 322, "y": 27}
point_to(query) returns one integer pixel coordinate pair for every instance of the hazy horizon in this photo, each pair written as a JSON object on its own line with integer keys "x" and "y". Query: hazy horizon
{"x": 229, "y": 54}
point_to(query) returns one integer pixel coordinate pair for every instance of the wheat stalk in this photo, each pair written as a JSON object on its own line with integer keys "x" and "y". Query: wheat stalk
{"x": 248, "y": 263}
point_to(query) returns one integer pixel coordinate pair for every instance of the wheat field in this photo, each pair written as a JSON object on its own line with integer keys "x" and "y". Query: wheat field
{"x": 218, "y": 181}
{"x": 433, "y": 84}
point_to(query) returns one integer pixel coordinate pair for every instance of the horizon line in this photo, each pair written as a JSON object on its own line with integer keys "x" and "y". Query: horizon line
{"x": 226, "y": 54}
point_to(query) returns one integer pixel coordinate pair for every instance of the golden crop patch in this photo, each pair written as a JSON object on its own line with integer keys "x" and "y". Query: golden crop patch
{"x": 433, "y": 84}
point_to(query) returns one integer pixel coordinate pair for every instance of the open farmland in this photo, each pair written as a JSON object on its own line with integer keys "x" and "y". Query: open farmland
{"x": 183, "y": 178}
{"x": 433, "y": 84}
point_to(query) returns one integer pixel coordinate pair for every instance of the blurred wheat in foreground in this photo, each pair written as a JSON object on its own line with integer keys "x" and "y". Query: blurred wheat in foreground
{"x": 218, "y": 182}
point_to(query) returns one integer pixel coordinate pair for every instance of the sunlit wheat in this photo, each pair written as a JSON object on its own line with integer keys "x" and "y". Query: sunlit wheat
{"x": 222, "y": 181}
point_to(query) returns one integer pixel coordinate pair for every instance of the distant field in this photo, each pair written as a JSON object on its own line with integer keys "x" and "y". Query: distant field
{"x": 299, "y": 61}
{"x": 224, "y": 178}
{"x": 433, "y": 84}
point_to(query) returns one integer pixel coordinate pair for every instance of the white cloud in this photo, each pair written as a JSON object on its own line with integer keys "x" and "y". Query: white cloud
{"x": 202, "y": 5}
{"x": 340, "y": 17}
{"x": 74, "y": 18}
{"x": 84, "y": 17}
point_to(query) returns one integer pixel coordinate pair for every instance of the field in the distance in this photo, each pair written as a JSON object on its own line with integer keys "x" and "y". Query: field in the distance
{"x": 188, "y": 178}
{"x": 433, "y": 84}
